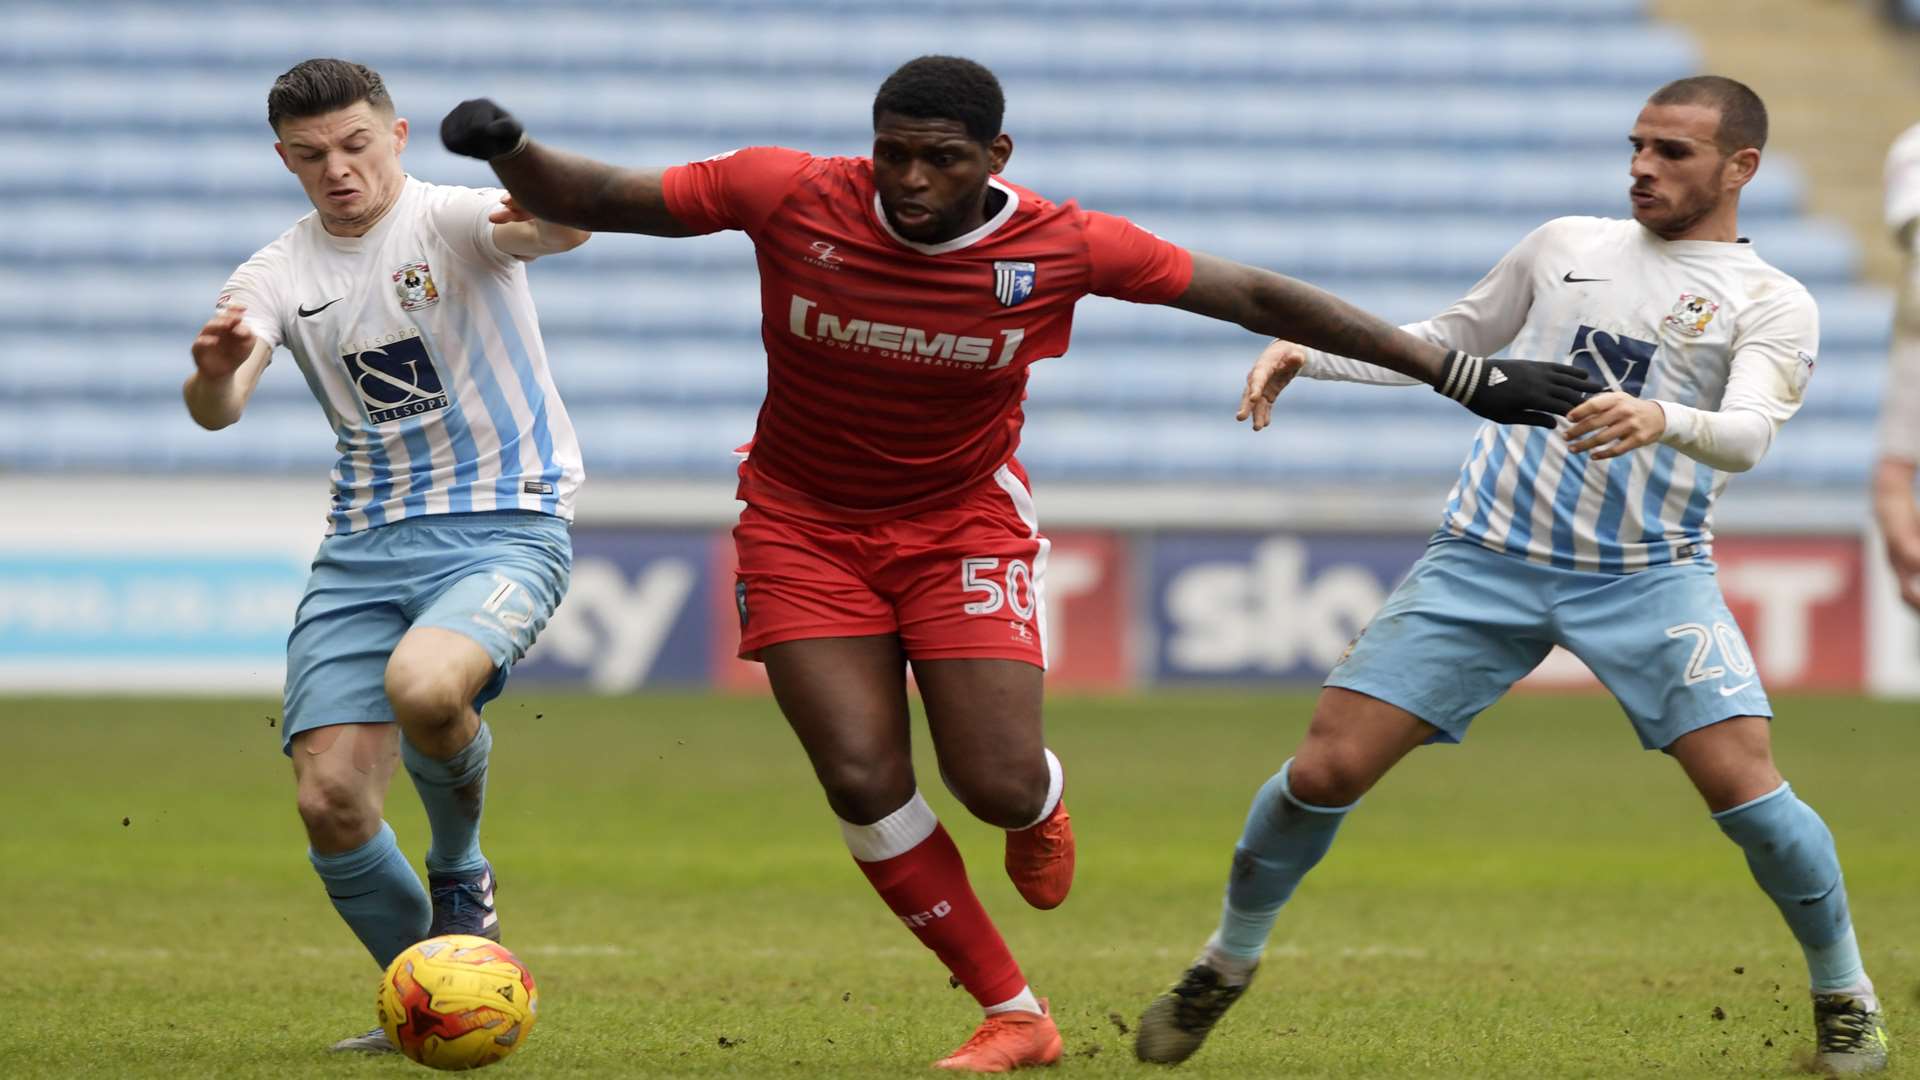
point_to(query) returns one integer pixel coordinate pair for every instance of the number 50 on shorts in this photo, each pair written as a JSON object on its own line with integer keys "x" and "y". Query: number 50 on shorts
{"x": 996, "y": 588}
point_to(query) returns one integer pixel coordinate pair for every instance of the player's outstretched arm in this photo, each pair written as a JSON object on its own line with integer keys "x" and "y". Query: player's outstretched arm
{"x": 1283, "y": 307}
{"x": 1283, "y": 361}
{"x": 1504, "y": 391}
{"x": 228, "y": 358}
{"x": 518, "y": 232}
{"x": 556, "y": 186}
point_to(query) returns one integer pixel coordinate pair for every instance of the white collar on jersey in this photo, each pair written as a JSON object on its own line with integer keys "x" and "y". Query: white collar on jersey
{"x": 356, "y": 244}
{"x": 958, "y": 242}
{"x": 1739, "y": 247}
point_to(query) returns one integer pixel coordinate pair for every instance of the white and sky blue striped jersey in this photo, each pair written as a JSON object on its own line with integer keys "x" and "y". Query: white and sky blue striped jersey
{"x": 1900, "y": 411}
{"x": 420, "y": 341}
{"x": 1701, "y": 323}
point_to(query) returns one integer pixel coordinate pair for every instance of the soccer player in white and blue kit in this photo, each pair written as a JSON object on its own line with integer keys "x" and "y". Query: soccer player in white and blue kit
{"x": 1596, "y": 538}
{"x": 406, "y": 307}
{"x": 1896, "y": 507}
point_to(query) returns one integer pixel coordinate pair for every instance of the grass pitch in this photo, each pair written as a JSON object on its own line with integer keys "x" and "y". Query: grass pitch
{"x": 1546, "y": 901}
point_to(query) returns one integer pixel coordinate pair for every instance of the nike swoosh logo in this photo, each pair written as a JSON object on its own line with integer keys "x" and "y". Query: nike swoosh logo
{"x": 306, "y": 312}
{"x": 355, "y": 896}
{"x": 1571, "y": 280}
{"x": 1729, "y": 691}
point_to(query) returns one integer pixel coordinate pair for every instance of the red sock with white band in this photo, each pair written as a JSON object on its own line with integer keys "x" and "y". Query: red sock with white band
{"x": 915, "y": 867}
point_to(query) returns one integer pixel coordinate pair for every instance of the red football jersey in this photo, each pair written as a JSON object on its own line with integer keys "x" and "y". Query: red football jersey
{"x": 895, "y": 370}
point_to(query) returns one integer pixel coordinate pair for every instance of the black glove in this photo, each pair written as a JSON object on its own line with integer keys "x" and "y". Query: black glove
{"x": 1515, "y": 391}
{"x": 481, "y": 129}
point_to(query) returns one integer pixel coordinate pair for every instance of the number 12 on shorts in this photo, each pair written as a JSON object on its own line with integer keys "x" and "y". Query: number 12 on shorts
{"x": 1011, "y": 588}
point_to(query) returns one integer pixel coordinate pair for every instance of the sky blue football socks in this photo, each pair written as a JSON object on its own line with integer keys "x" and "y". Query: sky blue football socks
{"x": 453, "y": 792}
{"x": 1283, "y": 839}
{"x": 1788, "y": 848}
{"x": 1792, "y": 856}
{"x": 377, "y": 893}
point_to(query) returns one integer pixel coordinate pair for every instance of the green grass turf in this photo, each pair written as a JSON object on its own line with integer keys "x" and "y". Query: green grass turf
{"x": 1548, "y": 900}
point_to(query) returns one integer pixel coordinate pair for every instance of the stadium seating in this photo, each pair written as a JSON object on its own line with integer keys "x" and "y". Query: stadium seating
{"x": 1390, "y": 150}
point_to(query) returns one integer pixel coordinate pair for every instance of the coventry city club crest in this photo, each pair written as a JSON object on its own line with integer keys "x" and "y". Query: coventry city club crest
{"x": 414, "y": 283}
{"x": 1691, "y": 314}
{"x": 1012, "y": 282}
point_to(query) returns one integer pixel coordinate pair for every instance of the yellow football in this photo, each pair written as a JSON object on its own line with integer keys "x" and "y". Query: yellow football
{"x": 457, "y": 1002}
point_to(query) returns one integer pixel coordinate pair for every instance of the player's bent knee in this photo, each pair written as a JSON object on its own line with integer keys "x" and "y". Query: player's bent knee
{"x": 1335, "y": 774}
{"x": 1352, "y": 742}
{"x": 339, "y": 812}
{"x": 1007, "y": 799}
{"x": 863, "y": 791}
{"x": 1730, "y": 762}
{"x": 423, "y": 696}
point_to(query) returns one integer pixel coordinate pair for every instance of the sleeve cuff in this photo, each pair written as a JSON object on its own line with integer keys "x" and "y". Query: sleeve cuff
{"x": 265, "y": 330}
{"x": 490, "y": 243}
{"x": 1680, "y": 422}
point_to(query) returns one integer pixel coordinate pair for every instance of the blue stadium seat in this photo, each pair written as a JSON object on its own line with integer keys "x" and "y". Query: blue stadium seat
{"x": 1317, "y": 247}
{"x": 672, "y": 441}
{"x": 697, "y": 41}
{"x": 1120, "y": 376}
{"x": 1554, "y": 12}
{"x": 162, "y": 210}
{"x": 1817, "y": 452}
{"x": 665, "y": 118}
{"x": 1389, "y": 150}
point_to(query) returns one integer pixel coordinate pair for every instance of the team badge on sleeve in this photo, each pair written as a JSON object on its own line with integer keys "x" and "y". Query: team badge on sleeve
{"x": 1802, "y": 371}
{"x": 1012, "y": 282}
{"x": 1691, "y": 314}
{"x": 414, "y": 283}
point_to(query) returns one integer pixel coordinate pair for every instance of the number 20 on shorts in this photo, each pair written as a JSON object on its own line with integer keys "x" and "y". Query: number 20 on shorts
{"x": 1733, "y": 651}
{"x": 997, "y": 589}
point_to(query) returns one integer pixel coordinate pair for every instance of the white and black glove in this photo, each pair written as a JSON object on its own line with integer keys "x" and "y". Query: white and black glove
{"x": 1515, "y": 391}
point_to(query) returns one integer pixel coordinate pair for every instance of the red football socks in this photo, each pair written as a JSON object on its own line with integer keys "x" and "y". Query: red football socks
{"x": 926, "y": 886}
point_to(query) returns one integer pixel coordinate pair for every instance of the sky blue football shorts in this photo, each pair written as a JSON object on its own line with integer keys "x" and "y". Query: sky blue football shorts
{"x": 1470, "y": 622}
{"x": 495, "y": 577}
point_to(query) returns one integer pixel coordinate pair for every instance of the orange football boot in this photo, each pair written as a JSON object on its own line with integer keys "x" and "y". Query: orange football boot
{"x": 1040, "y": 859}
{"x": 1008, "y": 1041}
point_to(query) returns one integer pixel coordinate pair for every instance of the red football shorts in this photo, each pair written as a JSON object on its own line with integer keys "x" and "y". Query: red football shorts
{"x": 959, "y": 582}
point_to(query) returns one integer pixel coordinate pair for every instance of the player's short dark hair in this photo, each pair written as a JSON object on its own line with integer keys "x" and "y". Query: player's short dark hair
{"x": 1743, "y": 116}
{"x": 944, "y": 88}
{"x": 320, "y": 86}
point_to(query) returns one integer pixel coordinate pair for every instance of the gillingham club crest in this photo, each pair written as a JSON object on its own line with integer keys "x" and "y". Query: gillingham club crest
{"x": 1691, "y": 314}
{"x": 414, "y": 283}
{"x": 1012, "y": 282}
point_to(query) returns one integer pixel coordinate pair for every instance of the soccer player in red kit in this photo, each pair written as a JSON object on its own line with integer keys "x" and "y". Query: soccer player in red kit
{"x": 887, "y": 522}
